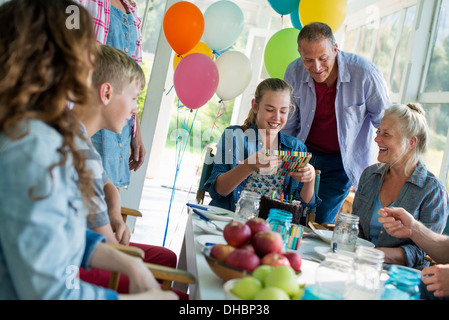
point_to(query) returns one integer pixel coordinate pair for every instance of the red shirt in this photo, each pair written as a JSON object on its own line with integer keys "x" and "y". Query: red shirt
{"x": 323, "y": 133}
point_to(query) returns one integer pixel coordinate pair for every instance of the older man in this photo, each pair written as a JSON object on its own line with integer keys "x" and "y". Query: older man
{"x": 339, "y": 97}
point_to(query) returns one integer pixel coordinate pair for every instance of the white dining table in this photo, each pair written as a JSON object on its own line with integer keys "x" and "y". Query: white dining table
{"x": 209, "y": 286}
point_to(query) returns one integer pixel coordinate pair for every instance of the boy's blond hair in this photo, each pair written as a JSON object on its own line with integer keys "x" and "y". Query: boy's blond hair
{"x": 117, "y": 68}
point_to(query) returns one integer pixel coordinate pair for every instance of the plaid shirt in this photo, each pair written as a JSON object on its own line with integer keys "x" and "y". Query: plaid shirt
{"x": 100, "y": 10}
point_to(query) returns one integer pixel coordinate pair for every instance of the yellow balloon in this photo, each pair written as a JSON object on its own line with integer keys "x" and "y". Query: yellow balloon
{"x": 200, "y": 47}
{"x": 330, "y": 12}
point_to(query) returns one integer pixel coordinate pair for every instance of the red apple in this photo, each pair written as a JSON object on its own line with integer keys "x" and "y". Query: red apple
{"x": 275, "y": 259}
{"x": 267, "y": 241}
{"x": 294, "y": 259}
{"x": 258, "y": 224}
{"x": 220, "y": 251}
{"x": 236, "y": 233}
{"x": 243, "y": 259}
{"x": 249, "y": 247}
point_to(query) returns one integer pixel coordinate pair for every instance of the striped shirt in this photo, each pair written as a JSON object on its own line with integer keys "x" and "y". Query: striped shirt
{"x": 93, "y": 163}
{"x": 100, "y": 10}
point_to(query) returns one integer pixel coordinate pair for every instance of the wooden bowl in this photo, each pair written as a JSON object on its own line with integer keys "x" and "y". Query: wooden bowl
{"x": 222, "y": 270}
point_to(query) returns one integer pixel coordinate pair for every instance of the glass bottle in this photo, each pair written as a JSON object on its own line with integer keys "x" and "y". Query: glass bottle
{"x": 281, "y": 222}
{"x": 247, "y": 207}
{"x": 403, "y": 284}
{"x": 345, "y": 232}
{"x": 334, "y": 272}
{"x": 366, "y": 284}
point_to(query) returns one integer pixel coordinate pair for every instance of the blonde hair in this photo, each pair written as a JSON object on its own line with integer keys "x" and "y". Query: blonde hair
{"x": 270, "y": 84}
{"x": 117, "y": 68}
{"x": 411, "y": 119}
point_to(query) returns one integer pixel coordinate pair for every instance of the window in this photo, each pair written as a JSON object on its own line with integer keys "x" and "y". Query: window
{"x": 437, "y": 116}
{"x": 400, "y": 58}
{"x": 151, "y": 12}
{"x": 386, "y": 43}
{"x": 438, "y": 73}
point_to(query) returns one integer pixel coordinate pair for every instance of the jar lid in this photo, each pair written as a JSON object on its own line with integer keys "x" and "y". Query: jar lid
{"x": 370, "y": 254}
{"x": 250, "y": 195}
{"x": 280, "y": 212}
{"x": 405, "y": 274}
{"x": 348, "y": 217}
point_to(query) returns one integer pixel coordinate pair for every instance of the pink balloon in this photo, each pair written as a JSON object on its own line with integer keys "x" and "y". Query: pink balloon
{"x": 195, "y": 80}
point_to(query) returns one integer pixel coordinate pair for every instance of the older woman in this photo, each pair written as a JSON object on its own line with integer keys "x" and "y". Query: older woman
{"x": 400, "y": 180}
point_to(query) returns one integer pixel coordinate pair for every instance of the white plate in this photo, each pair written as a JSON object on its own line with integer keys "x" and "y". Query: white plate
{"x": 326, "y": 236}
{"x": 217, "y": 213}
{"x": 209, "y": 227}
{"x": 208, "y": 239}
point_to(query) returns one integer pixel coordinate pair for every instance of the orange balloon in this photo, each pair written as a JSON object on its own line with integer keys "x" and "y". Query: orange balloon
{"x": 200, "y": 47}
{"x": 183, "y": 26}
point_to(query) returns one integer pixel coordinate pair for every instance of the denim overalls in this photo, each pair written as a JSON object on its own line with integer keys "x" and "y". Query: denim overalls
{"x": 114, "y": 147}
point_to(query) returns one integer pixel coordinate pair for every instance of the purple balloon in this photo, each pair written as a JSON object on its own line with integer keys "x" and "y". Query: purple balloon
{"x": 195, "y": 80}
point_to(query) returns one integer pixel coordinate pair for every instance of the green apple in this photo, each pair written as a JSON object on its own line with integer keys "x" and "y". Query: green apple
{"x": 271, "y": 293}
{"x": 298, "y": 295}
{"x": 261, "y": 272}
{"x": 247, "y": 288}
{"x": 283, "y": 277}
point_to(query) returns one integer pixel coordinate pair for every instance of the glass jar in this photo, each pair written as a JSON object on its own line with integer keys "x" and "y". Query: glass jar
{"x": 365, "y": 284}
{"x": 312, "y": 292}
{"x": 334, "y": 272}
{"x": 403, "y": 284}
{"x": 247, "y": 207}
{"x": 345, "y": 232}
{"x": 281, "y": 222}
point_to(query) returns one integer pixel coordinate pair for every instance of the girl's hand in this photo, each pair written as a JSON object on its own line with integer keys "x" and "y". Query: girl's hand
{"x": 304, "y": 175}
{"x": 263, "y": 163}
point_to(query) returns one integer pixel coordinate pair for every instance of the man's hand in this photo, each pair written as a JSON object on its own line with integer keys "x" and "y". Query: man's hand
{"x": 137, "y": 154}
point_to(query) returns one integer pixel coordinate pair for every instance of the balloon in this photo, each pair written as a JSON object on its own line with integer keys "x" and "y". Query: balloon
{"x": 284, "y": 6}
{"x": 200, "y": 47}
{"x": 195, "y": 80}
{"x": 183, "y": 26}
{"x": 294, "y": 17}
{"x": 223, "y": 23}
{"x": 330, "y": 12}
{"x": 280, "y": 51}
{"x": 234, "y": 69}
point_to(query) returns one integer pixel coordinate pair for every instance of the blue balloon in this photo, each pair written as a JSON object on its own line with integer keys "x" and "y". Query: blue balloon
{"x": 284, "y": 6}
{"x": 294, "y": 17}
{"x": 223, "y": 24}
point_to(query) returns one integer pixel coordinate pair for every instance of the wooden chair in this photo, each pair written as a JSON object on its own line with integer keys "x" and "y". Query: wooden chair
{"x": 166, "y": 274}
{"x": 205, "y": 174}
{"x": 311, "y": 215}
{"x": 129, "y": 212}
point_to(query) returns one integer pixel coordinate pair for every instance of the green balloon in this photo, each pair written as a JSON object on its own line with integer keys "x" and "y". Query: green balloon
{"x": 280, "y": 51}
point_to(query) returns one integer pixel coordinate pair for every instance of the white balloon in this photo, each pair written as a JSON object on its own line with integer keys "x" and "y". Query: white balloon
{"x": 235, "y": 72}
{"x": 223, "y": 23}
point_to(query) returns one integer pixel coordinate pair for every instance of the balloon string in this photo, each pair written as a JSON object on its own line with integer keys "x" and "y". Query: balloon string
{"x": 282, "y": 21}
{"x": 169, "y": 90}
{"x": 214, "y": 125}
{"x": 216, "y": 53}
{"x": 184, "y": 142}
